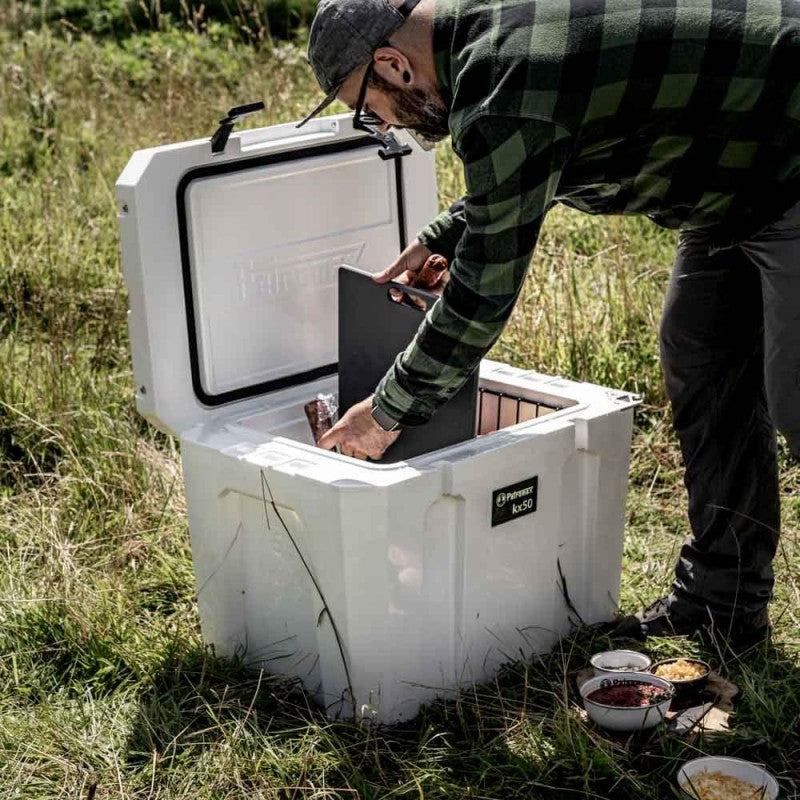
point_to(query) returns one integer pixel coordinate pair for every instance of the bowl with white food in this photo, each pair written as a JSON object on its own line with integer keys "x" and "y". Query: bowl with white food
{"x": 725, "y": 778}
{"x": 610, "y": 662}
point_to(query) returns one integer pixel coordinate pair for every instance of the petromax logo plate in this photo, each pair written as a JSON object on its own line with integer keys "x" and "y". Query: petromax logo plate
{"x": 514, "y": 501}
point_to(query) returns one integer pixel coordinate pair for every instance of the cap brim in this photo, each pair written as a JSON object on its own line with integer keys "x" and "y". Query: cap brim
{"x": 321, "y": 107}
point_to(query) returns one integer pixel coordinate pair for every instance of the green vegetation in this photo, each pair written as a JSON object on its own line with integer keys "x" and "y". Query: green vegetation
{"x": 106, "y": 690}
{"x": 254, "y": 21}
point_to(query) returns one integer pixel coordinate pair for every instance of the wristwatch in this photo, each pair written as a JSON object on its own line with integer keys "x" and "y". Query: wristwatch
{"x": 383, "y": 419}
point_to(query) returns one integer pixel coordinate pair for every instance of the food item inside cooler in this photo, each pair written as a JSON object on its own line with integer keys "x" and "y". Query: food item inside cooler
{"x": 321, "y": 414}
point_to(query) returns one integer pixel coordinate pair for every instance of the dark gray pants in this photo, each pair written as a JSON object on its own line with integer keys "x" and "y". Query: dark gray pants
{"x": 730, "y": 351}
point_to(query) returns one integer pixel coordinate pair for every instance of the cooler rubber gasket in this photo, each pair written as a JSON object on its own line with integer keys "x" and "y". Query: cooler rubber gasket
{"x": 188, "y": 295}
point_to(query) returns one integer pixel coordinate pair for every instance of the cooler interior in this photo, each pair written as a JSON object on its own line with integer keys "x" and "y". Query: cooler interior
{"x": 504, "y": 408}
{"x": 499, "y": 406}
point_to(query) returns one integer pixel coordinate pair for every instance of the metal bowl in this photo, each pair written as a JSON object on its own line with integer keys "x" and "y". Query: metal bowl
{"x": 612, "y": 662}
{"x": 735, "y": 767}
{"x": 626, "y": 718}
{"x": 688, "y": 687}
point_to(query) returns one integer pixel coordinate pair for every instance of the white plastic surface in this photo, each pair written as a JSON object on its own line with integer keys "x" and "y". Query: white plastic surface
{"x": 425, "y": 593}
{"x": 263, "y": 246}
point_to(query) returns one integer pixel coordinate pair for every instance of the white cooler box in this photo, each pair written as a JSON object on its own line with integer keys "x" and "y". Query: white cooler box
{"x": 435, "y": 571}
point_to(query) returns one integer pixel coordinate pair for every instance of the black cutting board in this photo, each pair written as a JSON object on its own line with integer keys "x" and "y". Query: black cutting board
{"x": 373, "y": 329}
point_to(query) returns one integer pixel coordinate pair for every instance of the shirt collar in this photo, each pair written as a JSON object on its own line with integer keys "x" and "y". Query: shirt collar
{"x": 442, "y": 57}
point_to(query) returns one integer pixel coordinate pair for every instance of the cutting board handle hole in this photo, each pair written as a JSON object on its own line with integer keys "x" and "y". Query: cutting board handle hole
{"x": 414, "y": 301}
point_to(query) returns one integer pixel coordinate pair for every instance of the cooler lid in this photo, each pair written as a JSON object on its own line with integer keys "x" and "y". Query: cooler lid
{"x": 231, "y": 258}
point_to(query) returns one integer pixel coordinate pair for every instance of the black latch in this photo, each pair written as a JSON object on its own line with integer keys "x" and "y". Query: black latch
{"x": 368, "y": 122}
{"x": 391, "y": 147}
{"x": 220, "y": 139}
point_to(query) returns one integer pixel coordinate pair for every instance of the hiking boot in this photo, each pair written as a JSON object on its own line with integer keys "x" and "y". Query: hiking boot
{"x": 665, "y": 617}
{"x": 657, "y": 619}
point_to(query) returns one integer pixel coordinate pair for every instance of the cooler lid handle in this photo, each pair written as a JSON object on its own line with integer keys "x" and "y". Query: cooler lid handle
{"x": 220, "y": 138}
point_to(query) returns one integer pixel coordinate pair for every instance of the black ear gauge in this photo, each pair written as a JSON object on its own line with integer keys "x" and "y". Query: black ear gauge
{"x": 406, "y": 76}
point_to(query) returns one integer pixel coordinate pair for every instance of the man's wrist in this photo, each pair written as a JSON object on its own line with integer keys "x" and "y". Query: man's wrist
{"x": 384, "y": 421}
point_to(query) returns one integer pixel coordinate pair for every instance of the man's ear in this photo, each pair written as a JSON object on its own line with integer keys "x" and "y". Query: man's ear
{"x": 393, "y": 66}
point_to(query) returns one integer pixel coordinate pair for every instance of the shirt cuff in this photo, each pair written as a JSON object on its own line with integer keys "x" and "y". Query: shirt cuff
{"x": 398, "y": 403}
{"x": 442, "y": 235}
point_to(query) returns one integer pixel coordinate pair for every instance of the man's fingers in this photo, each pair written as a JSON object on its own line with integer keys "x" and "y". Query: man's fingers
{"x": 392, "y": 271}
{"x": 411, "y": 259}
{"x": 438, "y": 289}
{"x": 404, "y": 279}
{"x": 357, "y": 433}
{"x": 353, "y": 452}
{"x": 408, "y": 299}
{"x": 330, "y": 439}
{"x": 346, "y": 446}
{"x": 339, "y": 436}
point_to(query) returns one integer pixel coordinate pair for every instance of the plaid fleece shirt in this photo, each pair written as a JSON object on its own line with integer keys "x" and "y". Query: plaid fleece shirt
{"x": 687, "y": 111}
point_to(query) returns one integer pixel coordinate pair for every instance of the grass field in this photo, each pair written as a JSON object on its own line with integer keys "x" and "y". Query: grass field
{"x": 106, "y": 690}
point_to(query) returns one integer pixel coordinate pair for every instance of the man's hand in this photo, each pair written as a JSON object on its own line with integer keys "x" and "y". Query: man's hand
{"x": 358, "y": 435}
{"x": 409, "y": 261}
{"x": 407, "y": 269}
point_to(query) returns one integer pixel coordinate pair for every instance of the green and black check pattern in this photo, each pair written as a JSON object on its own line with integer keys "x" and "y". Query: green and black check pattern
{"x": 687, "y": 111}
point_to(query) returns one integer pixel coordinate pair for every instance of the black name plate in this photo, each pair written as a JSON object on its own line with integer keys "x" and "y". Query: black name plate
{"x": 514, "y": 501}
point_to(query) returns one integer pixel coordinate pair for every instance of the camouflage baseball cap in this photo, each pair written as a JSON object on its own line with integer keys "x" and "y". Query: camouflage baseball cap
{"x": 344, "y": 36}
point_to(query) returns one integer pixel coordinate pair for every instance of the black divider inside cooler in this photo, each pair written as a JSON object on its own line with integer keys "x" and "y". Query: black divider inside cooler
{"x": 373, "y": 329}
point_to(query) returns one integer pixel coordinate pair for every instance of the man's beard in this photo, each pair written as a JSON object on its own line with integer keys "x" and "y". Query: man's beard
{"x": 422, "y": 112}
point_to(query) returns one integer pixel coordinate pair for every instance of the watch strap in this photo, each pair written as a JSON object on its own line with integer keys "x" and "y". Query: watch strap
{"x": 383, "y": 419}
